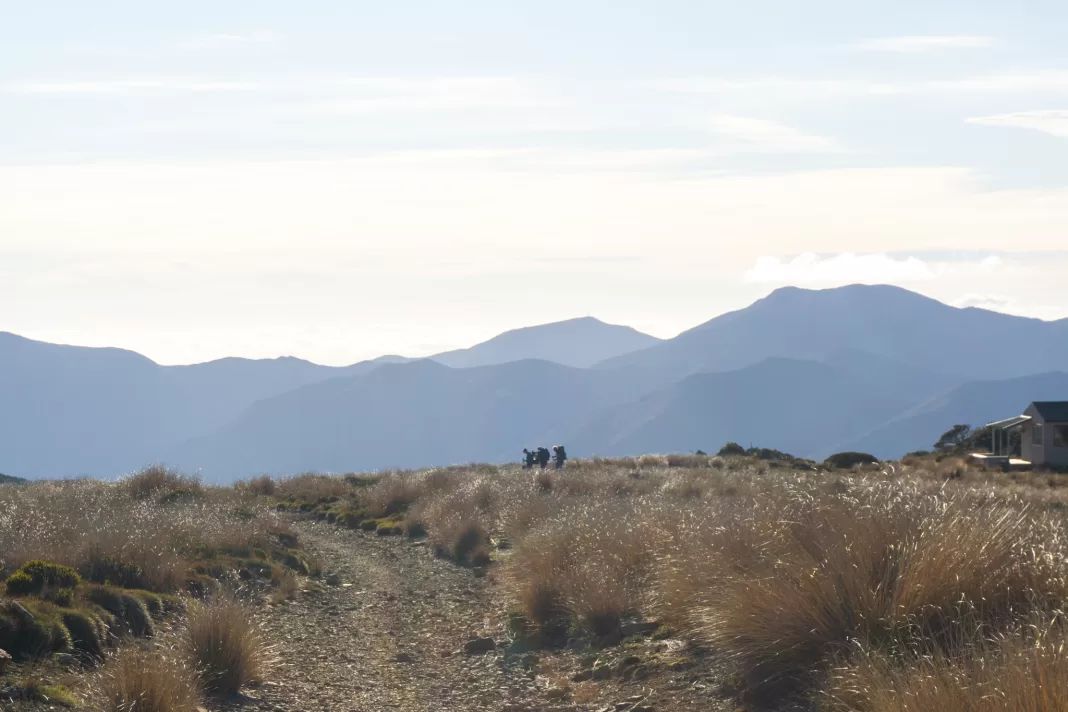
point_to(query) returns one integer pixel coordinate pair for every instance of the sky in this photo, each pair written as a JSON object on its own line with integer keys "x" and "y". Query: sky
{"x": 340, "y": 180}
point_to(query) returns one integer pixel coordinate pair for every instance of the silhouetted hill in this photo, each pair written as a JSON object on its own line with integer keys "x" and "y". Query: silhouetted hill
{"x": 576, "y": 342}
{"x": 410, "y": 415}
{"x": 801, "y": 407}
{"x": 10, "y": 480}
{"x": 975, "y": 403}
{"x": 73, "y": 410}
{"x": 887, "y": 321}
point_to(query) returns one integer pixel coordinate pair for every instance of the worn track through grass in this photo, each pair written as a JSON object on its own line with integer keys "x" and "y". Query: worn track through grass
{"x": 389, "y": 634}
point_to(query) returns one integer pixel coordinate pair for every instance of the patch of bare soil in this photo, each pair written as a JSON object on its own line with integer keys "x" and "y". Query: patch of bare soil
{"x": 393, "y": 628}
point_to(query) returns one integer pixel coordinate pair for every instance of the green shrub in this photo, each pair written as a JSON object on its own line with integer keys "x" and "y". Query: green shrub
{"x": 129, "y": 610}
{"x": 19, "y": 584}
{"x": 35, "y": 630}
{"x": 87, "y": 632}
{"x": 114, "y": 572}
{"x": 153, "y": 603}
{"x": 63, "y": 597}
{"x": 849, "y": 460}
{"x": 731, "y": 448}
{"x": 34, "y": 577}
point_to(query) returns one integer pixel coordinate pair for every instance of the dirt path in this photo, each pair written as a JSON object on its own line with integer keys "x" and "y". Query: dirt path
{"x": 387, "y": 632}
{"x": 389, "y": 628}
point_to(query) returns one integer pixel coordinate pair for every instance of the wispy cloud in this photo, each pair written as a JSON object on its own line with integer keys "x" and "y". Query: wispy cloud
{"x": 809, "y": 88}
{"x": 1009, "y": 305}
{"x": 777, "y": 85}
{"x": 850, "y": 268}
{"x": 1038, "y": 80}
{"x": 134, "y": 86}
{"x": 1053, "y": 122}
{"x": 922, "y": 44}
{"x": 769, "y": 136}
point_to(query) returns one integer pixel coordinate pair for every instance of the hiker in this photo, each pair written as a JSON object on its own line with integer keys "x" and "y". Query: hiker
{"x": 543, "y": 458}
{"x": 528, "y": 459}
{"x": 559, "y": 456}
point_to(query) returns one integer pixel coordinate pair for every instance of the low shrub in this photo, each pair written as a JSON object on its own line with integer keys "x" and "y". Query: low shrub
{"x": 849, "y": 460}
{"x": 130, "y": 611}
{"x": 37, "y": 577}
{"x": 731, "y": 448}
{"x": 226, "y": 646}
{"x": 32, "y": 629}
{"x": 262, "y": 485}
{"x": 159, "y": 481}
{"x": 139, "y": 681}
{"x": 88, "y": 633}
{"x": 110, "y": 570}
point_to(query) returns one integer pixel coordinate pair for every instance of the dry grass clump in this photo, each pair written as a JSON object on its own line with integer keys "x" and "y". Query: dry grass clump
{"x": 139, "y": 681}
{"x": 226, "y": 646}
{"x": 308, "y": 487}
{"x": 585, "y": 565}
{"x": 264, "y": 485}
{"x": 1021, "y": 671}
{"x": 113, "y": 532}
{"x": 890, "y": 571}
{"x": 159, "y": 481}
{"x": 459, "y": 521}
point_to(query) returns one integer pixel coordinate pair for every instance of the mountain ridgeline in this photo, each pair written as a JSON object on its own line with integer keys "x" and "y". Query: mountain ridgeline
{"x": 877, "y": 369}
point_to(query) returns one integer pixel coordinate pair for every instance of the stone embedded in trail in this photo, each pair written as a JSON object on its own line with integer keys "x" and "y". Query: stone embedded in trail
{"x": 402, "y": 658}
{"x": 479, "y": 645}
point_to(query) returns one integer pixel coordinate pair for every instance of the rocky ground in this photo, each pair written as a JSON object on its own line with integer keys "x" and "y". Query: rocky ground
{"x": 393, "y": 628}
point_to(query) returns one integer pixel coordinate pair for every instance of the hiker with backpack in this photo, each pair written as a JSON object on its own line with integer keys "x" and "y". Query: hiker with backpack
{"x": 559, "y": 456}
{"x": 528, "y": 459}
{"x": 543, "y": 458}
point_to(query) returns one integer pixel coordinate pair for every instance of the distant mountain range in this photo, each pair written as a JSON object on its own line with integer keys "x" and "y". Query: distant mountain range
{"x": 876, "y": 369}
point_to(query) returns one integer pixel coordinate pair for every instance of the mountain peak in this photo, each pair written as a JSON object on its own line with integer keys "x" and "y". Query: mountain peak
{"x": 880, "y": 319}
{"x": 579, "y": 342}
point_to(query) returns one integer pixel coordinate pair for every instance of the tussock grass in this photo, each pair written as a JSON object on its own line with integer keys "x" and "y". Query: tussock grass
{"x": 585, "y": 565}
{"x": 158, "y": 481}
{"x": 890, "y": 572}
{"x": 122, "y": 533}
{"x": 1024, "y": 670}
{"x": 808, "y": 581}
{"x": 140, "y": 681}
{"x": 226, "y": 646}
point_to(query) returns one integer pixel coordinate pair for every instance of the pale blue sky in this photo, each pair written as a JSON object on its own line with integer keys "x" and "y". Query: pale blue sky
{"x": 336, "y": 180}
